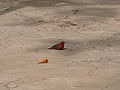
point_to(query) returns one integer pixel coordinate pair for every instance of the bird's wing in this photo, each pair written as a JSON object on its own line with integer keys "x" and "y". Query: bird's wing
{"x": 54, "y": 47}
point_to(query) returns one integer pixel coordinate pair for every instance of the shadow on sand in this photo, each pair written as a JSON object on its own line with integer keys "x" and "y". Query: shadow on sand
{"x": 17, "y": 4}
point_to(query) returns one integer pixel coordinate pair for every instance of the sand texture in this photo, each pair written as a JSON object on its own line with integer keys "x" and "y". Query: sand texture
{"x": 90, "y": 30}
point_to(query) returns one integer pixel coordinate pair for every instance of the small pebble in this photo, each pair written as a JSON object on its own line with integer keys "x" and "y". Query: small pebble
{"x": 12, "y": 85}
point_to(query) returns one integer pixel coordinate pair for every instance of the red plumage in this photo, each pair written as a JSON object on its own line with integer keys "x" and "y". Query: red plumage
{"x": 58, "y": 46}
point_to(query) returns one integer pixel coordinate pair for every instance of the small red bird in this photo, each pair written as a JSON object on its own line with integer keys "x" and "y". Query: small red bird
{"x": 58, "y": 46}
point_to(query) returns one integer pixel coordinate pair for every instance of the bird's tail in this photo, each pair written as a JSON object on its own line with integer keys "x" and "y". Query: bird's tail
{"x": 50, "y": 48}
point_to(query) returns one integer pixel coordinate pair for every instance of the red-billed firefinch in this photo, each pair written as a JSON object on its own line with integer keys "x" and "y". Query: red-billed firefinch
{"x": 58, "y": 46}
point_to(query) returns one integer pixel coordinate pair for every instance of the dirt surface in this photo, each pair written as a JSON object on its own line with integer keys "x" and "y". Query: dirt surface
{"x": 90, "y": 28}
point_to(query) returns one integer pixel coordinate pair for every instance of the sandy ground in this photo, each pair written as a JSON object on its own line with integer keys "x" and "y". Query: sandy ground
{"x": 90, "y": 28}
